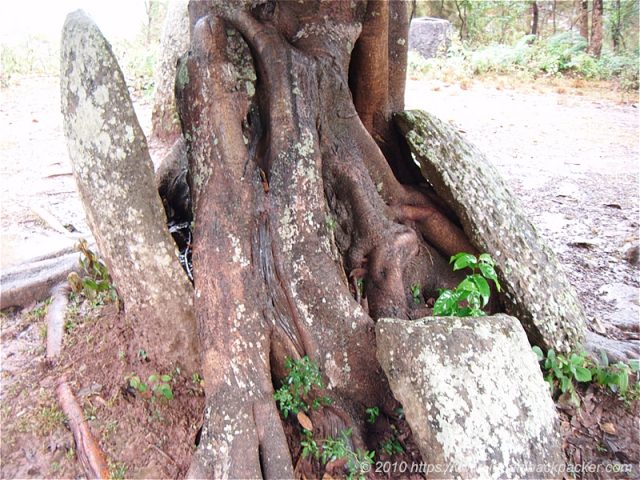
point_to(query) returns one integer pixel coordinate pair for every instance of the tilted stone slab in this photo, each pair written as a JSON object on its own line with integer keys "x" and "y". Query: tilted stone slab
{"x": 536, "y": 289}
{"x": 474, "y": 396}
{"x": 115, "y": 178}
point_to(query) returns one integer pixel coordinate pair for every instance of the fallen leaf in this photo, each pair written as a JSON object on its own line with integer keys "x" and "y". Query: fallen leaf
{"x": 609, "y": 428}
{"x": 305, "y": 421}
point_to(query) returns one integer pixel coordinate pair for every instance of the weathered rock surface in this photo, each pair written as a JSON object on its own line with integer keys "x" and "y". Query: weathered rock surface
{"x": 473, "y": 395}
{"x": 536, "y": 289}
{"x": 175, "y": 42}
{"x": 430, "y": 37}
{"x": 115, "y": 179}
{"x": 32, "y": 282}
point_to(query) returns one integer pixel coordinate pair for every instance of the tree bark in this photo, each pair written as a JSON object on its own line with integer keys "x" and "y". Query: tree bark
{"x": 595, "y": 44}
{"x": 583, "y": 19}
{"x": 270, "y": 124}
{"x": 534, "y": 17}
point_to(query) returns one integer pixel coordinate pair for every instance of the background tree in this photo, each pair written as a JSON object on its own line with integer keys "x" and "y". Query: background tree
{"x": 595, "y": 42}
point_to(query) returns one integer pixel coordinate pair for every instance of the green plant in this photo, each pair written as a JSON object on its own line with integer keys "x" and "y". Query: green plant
{"x": 295, "y": 395}
{"x": 564, "y": 370}
{"x": 372, "y": 414}
{"x": 416, "y": 293}
{"x": 309, "y": 445}
{"x": 357, "y": 463}
{"x": 472, "y": 294}
{"x": 158, "y": 384}
{"x": 95, "y": 284}
{"x": 117, "y": 470}
{"x": 615, "y": 376}
{"x": 391, "y": 446}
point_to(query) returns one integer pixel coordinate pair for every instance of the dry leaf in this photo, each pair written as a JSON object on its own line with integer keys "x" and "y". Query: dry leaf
{"x": 609, "y": 428}
{"x": 304, "y": 421}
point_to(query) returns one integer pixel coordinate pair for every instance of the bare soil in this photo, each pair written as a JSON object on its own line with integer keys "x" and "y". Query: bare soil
{"x": 572, "y": 160}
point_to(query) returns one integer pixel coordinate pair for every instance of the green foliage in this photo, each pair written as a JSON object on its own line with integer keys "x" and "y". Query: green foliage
{"x": 358, "y": 463}
{"x": 95, "y": 283}
{"x": 563, "y": 371}
{"x": 530, "y": 58}
{"x": 416, "y": 293}
{"x": 158, "y": 384}
{"x": 372, "y": 414}
{"x": 295, "y": 395}
{"x": 391, "y": 446}
{"x": 309, "y": 445}
{"x": 473, "y": 293}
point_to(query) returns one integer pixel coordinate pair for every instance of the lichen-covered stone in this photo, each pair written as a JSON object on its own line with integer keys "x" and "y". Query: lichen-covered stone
{"x": 536, "y": 289}
{"x": 114, "y": 174}
{"x": 473, "y": 395}
{"x": 175, "y": 43}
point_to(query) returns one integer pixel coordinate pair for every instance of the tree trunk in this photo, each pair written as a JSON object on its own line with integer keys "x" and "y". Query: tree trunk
{"x": 583, "y": 19}
{"x": 175, "y": 42}
{"x": 535, "y": 15}
{"x": 270, "y": 124}
{"x": 595, "y": 44}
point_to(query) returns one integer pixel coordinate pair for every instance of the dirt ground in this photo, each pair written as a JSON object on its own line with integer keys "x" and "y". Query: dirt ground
{"x": 572, "y": 159}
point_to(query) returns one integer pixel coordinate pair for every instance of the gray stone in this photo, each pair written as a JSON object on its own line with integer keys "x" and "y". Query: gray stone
{"x": 474, "y": 396}
{"x": 115, "y": 178}
{"x": 536, "y": 288}
{"x": 175, "y": 43}
{"x": 33, "y": 282}
{"x": 430, "y": 37}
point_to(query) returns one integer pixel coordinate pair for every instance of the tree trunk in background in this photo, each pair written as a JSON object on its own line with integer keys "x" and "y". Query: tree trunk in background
{"x": 595, "y": 44}
{"x": 535, "y": 15}
{"x": 616, "y": 25}
{"x": 583, "y": 19}
{"x": 165, "y": 124}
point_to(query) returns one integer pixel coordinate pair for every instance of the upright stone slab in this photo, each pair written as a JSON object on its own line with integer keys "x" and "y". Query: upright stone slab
{"x": 429, "y": 36}
{"x": 175, "y": 43}
{"x": 115, "y": 179}
{"x": 473, "y": 395}
{"x": 536, "y": 289}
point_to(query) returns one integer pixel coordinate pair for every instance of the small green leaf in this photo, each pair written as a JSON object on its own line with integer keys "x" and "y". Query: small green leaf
{"x": 634, "y": 365}
{"x": 582, "y": 374}
{"x": 538, "y": 351}
{"x": 463, "y": 260}
{"x": 153, "y": 378}
{"x": 165, "y": 378}
{"x": 483, "y": 288}
{"x": 486, "y": 259}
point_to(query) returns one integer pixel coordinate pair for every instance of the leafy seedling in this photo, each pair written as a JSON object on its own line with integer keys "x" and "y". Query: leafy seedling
{"x": 473, "y": 293}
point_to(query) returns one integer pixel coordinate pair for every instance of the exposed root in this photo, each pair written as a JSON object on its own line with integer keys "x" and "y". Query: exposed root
{"x": 88, "y": 451}
{"x": 55, "y": 320}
